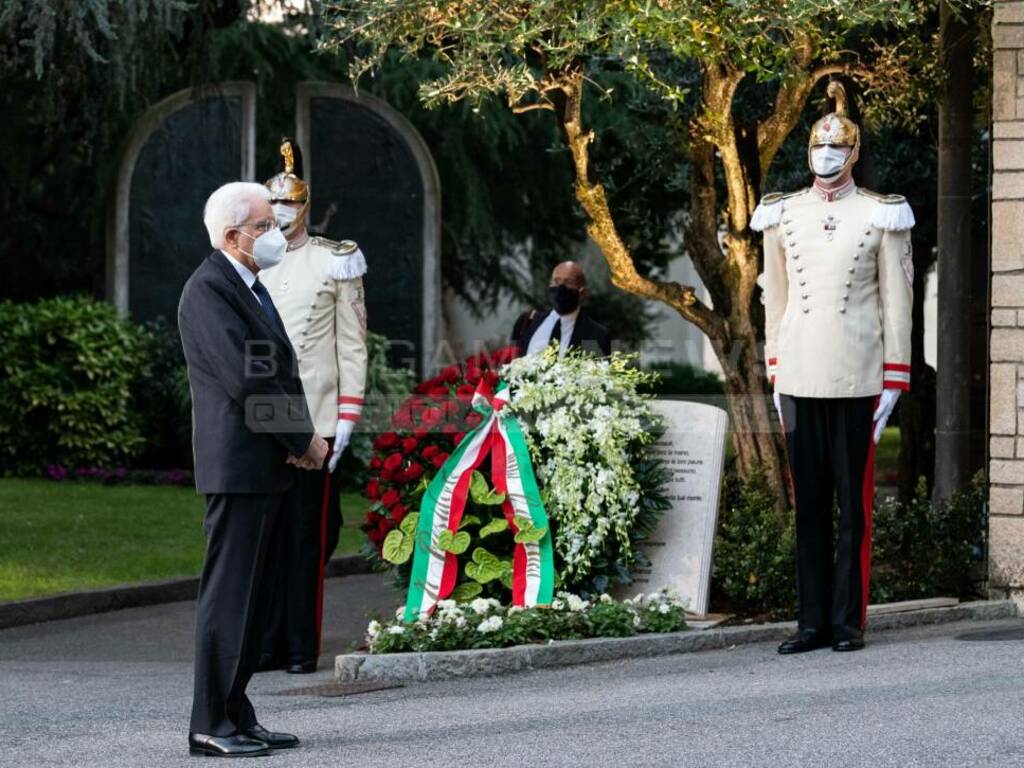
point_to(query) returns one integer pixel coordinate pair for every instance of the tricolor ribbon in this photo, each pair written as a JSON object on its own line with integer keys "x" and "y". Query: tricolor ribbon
{"x": 500, "y": 436}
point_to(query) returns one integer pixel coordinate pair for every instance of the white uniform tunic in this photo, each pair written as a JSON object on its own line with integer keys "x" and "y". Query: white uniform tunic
{"x": 838, "y": 291}
{"x": 318, "y": 291}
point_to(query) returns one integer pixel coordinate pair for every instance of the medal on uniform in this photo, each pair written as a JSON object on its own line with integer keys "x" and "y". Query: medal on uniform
{"x": 830, "y": 224}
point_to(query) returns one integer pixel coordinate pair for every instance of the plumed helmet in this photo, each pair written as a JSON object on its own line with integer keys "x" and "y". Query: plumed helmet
{"x": 287, "y": 186}
{"x": 836, "y": 128}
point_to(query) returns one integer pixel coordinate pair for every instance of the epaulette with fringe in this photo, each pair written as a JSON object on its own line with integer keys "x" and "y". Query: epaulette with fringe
{"x": 768, "y": 213}
{"x": 347, "y": 261}
{"x": 892, "y": 212}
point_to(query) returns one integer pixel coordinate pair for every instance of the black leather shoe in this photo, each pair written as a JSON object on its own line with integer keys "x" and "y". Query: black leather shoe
{"x": 302, "y": 667}
{"x": 273, "y": 740}
{"x": 846, "y": 640}
{"x": 805, "y": 640}
{"x": 201, "y": 745}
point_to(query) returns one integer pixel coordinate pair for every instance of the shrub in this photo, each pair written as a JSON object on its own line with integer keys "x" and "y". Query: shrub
{"x": 161, "y": 396}
{"x": 924, "y": 550}
{"x": 676, "y": 379}
{"x": 755, "y": 551}
{"x": 65, "y": 393}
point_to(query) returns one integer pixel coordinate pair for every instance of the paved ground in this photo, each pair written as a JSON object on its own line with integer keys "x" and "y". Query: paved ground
{"x": 114, "y": 690}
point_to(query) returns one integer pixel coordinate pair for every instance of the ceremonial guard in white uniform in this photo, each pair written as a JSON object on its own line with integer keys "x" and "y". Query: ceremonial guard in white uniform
{"x": 318, "y": 291}
{"x": 838, "y": 277}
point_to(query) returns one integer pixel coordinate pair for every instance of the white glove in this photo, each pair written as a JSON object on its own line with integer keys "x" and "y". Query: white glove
{"x": 777, "y": 399}
{"x": 341, "y": 437}
{"x": 886, "y": 402}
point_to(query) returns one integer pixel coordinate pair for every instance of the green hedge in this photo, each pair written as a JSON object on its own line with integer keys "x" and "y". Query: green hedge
{"x": 920, "y": 549}
{"x": 681, "y": 379}
{"x": 65, "y": 394}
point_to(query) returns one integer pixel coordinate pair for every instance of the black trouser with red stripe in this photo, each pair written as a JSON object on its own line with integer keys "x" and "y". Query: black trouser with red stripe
{"x": 310, "y": 537}
{"x": 832, "y": 455}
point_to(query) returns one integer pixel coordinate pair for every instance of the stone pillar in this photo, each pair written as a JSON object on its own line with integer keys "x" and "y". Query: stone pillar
{"x": 1006, "y": 379}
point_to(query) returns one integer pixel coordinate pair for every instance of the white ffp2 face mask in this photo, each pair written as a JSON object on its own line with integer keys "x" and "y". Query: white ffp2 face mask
{"x": 827, "y": 161}
{"x": 268, "y": 249}
{"x": 284, "y": 214}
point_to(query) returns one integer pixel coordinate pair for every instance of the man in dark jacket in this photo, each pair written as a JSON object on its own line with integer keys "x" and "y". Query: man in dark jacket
{"x": 565, "y": 324}
{"x": 251, "y": 429}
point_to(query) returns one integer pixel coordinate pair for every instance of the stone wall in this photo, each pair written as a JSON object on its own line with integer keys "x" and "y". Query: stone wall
{"x": 1006, "y": 380}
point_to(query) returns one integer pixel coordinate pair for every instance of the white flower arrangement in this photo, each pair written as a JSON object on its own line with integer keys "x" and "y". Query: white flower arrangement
{"x": 588, "y": 420}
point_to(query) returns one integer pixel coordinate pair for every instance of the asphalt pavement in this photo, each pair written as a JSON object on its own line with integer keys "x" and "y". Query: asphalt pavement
{"x": 115, "y": 689}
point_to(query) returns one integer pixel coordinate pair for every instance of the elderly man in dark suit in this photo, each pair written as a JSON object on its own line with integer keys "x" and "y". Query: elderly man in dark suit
{"x": 564, "y": 323}
{"x": 251, "y": 430}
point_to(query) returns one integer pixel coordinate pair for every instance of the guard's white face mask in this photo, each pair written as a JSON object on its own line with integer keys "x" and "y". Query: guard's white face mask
{"x": 285, "y": 214}
{"x": 828, "y": 161}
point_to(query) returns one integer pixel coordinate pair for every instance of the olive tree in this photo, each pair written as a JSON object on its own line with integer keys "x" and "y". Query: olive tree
{"x": 548, "y": 55}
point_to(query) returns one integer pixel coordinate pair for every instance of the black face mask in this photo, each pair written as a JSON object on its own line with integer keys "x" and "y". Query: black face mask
{"x": 563, "y": 298}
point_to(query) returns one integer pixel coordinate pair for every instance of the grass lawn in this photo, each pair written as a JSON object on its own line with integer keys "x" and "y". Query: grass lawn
{"x": 62, "y": 536}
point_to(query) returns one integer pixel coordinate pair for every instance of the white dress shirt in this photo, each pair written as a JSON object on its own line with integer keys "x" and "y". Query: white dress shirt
{"x": 245, "y": 273}
{"x": 542, "y": 336}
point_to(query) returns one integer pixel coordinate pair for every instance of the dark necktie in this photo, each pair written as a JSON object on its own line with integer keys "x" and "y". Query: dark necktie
{"x": 556, "y": 334}
{"x": 267, "y": 304}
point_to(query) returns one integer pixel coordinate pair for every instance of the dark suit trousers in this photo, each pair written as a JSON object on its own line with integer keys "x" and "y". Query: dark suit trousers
{"x": 310, "y": 537}
{"x": 243, "y": 541}
{"x": 832, "y": 456}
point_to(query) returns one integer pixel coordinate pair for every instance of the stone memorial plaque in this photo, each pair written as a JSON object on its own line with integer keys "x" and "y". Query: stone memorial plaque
{"x": 680, "y": 549}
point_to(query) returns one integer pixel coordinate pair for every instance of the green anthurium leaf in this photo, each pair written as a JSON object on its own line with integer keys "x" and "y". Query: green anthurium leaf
{"x": 466, "y": 591}
{"x": 397, "y": 547}
{"x": 506, "y": 579}
{"x": 409, "y": 523}
{"x": 478, "y": 487}
{"x": 444, "y": 540}
{"x": 460, "y": 543}
{"x": 485, "y": 566}
{"x": 456, "y": 543}
{"x": 492, "y": 499}
{"x": 497, "y": 525}
{"x": 530, "y": 534}
{"x": 523, "y": 523}
{"x": 468, "y": 520}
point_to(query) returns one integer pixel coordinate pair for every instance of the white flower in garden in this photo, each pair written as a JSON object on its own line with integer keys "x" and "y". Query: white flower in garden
{"x": 605, "y": 598}
{"x": 481, "y": 606}
{"x": 373, "y": 630}
{"x": 490, "y": 624}
{"x": 576, "y": 603}
{"x": 557, "y": 604}
{"x": 664, "y": 608}
{"x": 446, "y": 605}
{"x": 400, "y": 613}
{"x": 396, "y": 629}
{"x": 515, "y": 609}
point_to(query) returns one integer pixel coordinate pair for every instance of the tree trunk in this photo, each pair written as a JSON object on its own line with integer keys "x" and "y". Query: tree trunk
{"x": 956, "y": 118}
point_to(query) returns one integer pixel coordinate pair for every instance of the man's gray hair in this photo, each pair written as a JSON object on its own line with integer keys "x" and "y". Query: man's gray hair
{"x": 229, "y": 206}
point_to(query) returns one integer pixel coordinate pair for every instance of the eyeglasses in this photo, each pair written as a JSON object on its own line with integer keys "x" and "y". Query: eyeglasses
{"x": 262, "y": 226}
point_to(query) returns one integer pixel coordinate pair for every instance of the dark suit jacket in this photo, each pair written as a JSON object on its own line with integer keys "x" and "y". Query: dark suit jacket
{"x": 587, "y": 334}
{"x": 248, "y": 407}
